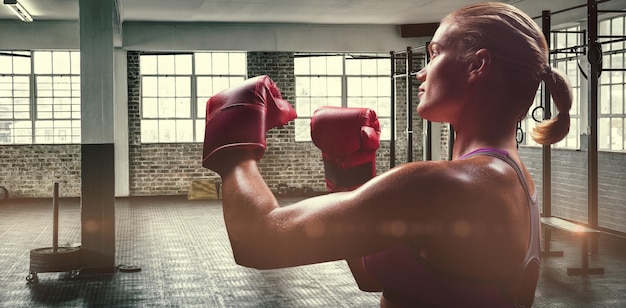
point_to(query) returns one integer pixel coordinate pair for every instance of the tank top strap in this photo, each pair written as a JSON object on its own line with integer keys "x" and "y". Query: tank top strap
{"x": 504, "y": 156}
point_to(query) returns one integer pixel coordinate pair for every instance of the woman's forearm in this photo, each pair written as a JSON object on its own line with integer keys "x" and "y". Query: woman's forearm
{"x": 247, "y": 202}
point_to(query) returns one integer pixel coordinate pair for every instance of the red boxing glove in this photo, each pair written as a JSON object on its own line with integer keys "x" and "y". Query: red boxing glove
{"x": 241, "y": 115}
{"x": 348, "y": 138}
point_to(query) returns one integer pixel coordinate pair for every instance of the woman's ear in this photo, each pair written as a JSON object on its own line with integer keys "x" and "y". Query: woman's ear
{"x": 480, "y": 64}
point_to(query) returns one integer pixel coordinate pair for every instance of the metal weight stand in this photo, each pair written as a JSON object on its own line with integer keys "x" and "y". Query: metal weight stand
{"x": 55, "y": 258}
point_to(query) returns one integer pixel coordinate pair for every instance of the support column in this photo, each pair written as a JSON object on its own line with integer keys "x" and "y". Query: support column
{"x": 97, "y": 136}
{"x": 594, "y": 56}
{"x": 546, "y": 150}
{"x": 122, "y": 165}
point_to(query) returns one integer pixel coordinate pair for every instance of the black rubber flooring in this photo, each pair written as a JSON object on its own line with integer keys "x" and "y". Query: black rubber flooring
{"x": 185, "y": 260}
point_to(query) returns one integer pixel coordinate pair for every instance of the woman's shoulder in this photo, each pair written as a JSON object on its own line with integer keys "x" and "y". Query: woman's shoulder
{"x": 455, "y": 172}
{"x": 424, "y": 182}
{"x": 436, "y": 186}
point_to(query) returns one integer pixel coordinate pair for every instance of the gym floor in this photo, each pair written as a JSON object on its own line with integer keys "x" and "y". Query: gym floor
{"x": 183, "y": 252}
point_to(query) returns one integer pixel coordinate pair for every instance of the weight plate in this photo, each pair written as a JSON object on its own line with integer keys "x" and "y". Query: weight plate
{"x": 48, "y": 260}
{"x": 128, "y": 268}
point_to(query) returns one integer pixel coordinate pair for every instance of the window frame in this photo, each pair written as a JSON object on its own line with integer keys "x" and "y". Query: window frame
{"x": 302, "y": 123}
{"x": 612, "y": 77}
{"x": 196, "y": 114}
{"x": 39, "y": 127}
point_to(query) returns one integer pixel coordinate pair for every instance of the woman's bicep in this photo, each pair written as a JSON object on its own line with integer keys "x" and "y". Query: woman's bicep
{"x": 346, "y": 225}
{"x": 341, "y": 225}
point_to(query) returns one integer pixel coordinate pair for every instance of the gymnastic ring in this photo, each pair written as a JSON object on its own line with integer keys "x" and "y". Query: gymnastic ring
{"x": 533, "y": 115}
{"x": 519, "y": 135}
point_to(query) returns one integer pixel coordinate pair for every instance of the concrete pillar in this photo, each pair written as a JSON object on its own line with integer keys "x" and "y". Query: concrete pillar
{"x": 97, "y": 135}
{"x": 122, "y": 165}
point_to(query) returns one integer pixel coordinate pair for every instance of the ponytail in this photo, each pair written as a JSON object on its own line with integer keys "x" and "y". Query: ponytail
{"x": 554, "y": 130}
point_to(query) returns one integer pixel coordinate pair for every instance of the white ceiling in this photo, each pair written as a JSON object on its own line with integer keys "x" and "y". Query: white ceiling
{"x": 393, "y": 12}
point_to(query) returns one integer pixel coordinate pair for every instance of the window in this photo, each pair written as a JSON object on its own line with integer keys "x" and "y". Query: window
{"x": 565, "y": 57}
{"x": 568, "y": 63}
{"x": 215, "y": 72}
{"x": 15, "y": 105}
{"x": 175, "y": 88}
{"x": 342, "y": 80}
{"x": 57, "y": 83}
{"x": 612, "y": 84}
{"x": 39, "y": 97}
{"x": 611, "y": 113}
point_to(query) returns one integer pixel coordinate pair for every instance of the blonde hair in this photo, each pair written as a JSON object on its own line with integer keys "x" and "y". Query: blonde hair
{"x": 517, "y": 44}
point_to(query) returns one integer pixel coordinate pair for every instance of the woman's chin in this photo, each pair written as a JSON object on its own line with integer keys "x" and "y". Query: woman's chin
{"x": 431, "y": 118}
{"x": 431, "y": 114}
{"x": 424, "y": 114}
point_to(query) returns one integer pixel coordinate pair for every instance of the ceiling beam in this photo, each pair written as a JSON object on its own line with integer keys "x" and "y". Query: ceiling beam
{"x": 418, "y": 30}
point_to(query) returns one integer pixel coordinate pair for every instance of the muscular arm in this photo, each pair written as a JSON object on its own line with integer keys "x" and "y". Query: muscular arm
{"x": 265, "y": 235}
{"x": 248, "y": 202}
{"x": 331, "y": 227}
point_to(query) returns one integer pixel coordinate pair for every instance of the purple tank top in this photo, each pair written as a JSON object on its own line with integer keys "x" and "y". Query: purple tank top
{"x": 407, "y": 279}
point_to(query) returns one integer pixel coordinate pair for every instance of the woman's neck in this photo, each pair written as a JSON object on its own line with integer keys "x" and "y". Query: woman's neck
{"x": 470, "y": 138}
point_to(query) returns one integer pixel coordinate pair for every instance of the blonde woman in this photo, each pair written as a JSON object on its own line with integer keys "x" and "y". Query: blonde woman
{"x": 453, "y": 233}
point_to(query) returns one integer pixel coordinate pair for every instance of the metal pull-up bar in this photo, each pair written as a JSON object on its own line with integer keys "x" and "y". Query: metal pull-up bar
{"x": 594, "y": 56}
{"x": 546, "y": 149}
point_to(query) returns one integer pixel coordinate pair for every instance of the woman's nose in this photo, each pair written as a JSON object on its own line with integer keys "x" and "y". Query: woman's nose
{"x": 421, "y": 75}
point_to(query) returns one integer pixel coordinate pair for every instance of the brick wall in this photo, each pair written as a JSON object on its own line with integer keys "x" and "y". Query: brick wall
{"x": 30, "y": 171}
{"x": 569, "y": 184}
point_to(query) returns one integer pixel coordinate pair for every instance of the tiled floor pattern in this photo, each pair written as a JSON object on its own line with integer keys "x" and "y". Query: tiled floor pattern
{"x": 185, "y": 260}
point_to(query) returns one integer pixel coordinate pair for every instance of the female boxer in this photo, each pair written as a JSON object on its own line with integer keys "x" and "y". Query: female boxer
{"x": 453, "y": 233}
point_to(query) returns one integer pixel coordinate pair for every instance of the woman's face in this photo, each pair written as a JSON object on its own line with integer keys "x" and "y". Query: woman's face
{"x": 444, "y": 80}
